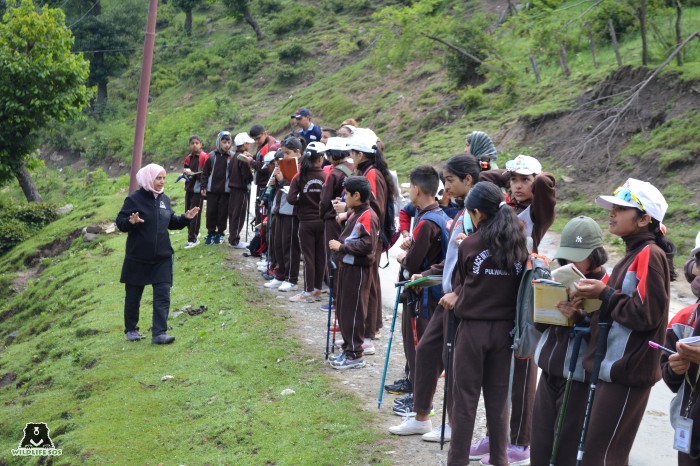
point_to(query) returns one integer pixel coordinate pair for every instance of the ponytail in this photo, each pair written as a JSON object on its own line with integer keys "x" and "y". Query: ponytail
{"x": 308, "y": 160}
{"x": 380, "y": 164}
{"x": 665, "y": 244}
{"x": 502, "y": 231}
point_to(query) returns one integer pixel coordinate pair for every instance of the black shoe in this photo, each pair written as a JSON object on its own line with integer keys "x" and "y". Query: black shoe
{"x": 133, "y": 335}
{"x": 404, "y": 400}
{"x": 162, "y": 339}
{"x": 399, "y": 387}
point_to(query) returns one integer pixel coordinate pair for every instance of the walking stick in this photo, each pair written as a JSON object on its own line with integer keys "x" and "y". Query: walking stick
{"x": 331, "y": 276}
{"x": 600, "y": 350}
{"x": 412, "y": 309}
{"x": 247, "y": 215}
{"x": 449, "y": 342}
{"x": 399, "y": 287}
{"x": 578, "y": 335}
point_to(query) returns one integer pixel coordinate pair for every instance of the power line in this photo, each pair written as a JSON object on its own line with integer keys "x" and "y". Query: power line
{"x": 127, "y": 49}
{"x": 85, "y": 14}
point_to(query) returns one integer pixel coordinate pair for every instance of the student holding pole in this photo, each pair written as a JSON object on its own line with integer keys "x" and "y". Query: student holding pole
{"x": 489, "y": 268}
{"x": 636, "y": 299}
{"x": 560, "y": 400}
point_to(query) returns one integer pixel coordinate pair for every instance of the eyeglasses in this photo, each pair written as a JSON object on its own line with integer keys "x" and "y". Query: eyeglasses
{"x": 628, "y": 196}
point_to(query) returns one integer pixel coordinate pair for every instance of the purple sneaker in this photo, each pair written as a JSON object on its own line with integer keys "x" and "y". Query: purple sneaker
{"x": 517, "y": 456}
{"x": 479, "y": 449}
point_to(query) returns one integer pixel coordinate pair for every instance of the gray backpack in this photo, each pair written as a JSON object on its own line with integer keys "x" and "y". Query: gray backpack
{"x": 525, "y": 335}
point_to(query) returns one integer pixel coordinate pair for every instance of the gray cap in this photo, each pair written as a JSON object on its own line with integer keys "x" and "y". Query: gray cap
{"x": 578, "y": 239}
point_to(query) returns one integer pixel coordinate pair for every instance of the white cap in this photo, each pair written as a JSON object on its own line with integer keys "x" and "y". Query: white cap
{"x": 440, "y": 190}
{"x": 242, "y": 138}
{"x": 650, "y": 199}
{"x": 337, "y": 143}
{"x": 697, "y": 245}
{"x": 363, "y": 140}
{"x": 316, "y": 146}
{"x": 524, "y": 165}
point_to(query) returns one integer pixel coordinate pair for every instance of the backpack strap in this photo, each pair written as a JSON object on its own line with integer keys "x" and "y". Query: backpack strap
{"x": 344, "y": 168}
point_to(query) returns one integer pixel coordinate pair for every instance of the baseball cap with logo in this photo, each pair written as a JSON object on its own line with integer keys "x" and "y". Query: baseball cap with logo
{"x": 639, "y": 194}
{"x": 301, "y": 112}
{"x": 524, "y": 165}
{"x": 242, "y": 138}
{"x": 578, "y": 239}
{"x": 363, "y": 140}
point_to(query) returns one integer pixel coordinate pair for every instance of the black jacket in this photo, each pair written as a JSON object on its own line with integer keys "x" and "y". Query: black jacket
{"x": 149, "y": 242}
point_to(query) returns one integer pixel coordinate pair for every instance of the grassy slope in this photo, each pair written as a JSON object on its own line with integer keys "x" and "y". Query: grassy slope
{"x": 103, "y": 398}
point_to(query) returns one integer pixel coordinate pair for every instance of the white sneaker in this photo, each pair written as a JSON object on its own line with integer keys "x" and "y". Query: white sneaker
{"x": 434, "y": 435}
{"x": 261, "y": 263}
{"x": 410, "y": 426}
{"x": 368, "y": 348}
{"x": 274, "y": 283}
{"x": 241, "y": 245}
{"x": 262, "y": 268}
{"x": 287, "y": 286}
{"x": 191, "y": 244}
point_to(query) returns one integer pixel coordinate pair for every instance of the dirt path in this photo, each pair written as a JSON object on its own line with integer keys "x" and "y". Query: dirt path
{"x": 654, "y": 440}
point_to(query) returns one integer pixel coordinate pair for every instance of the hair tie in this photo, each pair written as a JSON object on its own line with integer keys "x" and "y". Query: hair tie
{"x": 501, "y": 204}
{"x": 662, "y": 228}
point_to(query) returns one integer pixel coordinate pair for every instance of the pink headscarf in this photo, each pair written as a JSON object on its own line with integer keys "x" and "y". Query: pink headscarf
{"x": 147, "y": 175}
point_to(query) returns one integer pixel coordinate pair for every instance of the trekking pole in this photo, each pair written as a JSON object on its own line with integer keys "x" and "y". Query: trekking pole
{"x": 331, "y": 276}
{"x": 412, "y": 309}
{"x": 247, "y": 215}
{"x": 600, "y": 350}
{"x": 449, "y": 342}
{"x": 399, "y": 286}
{"x": 578, "y": 335}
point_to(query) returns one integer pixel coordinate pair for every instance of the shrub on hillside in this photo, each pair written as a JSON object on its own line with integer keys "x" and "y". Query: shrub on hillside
{"x": 295, "y": 18}
{"x": 12, "y": 232}
{"x": 19, "y": 221}
{"x": 292, "y": 51}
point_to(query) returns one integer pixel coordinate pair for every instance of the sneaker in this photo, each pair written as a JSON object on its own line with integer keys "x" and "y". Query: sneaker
{"x": 287, "y": 286}
{"x": 133, "y": 335}
{"x": 368, "y": 349}
{"x": 191, "y": 244}
{"x": 301, "y": 297}
{"x": 241, "y": 245}
{"x": 339, "y": 342}
{"x": 261, "y": 263}
{"x": 517, "y": 456}
{"x": 268, "y": 276}
{"x": 410, "y": 426}
{"x": 479, "y": 449}
{"x": 274, "y": 283}
{"x": 407, "y": 410}
{"x": 162, "y": 339}
{"x": 344, "y": 363}
{"x": 335, "y": 357}
{"x": 324, "y": 307}
{"x": 434, "y": 435}
{"x": 408, "y": 398}
{"x": 399, "y": 387}
{"x": 208, "y": 240}
{"x": 218, "y": 239}
{"x": 315, "y": 296}
{"x": 262, "y": 268}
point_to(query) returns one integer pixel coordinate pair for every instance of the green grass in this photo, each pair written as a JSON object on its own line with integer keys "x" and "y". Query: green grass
{"x": 103, "y": 397}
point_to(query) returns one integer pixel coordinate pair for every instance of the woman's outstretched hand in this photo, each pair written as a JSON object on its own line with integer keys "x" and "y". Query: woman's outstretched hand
{"x": 192, "y": 213}
{"x": 134, "y": 218}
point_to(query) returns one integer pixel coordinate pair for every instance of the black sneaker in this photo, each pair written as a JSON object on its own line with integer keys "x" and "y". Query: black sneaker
{"x": 408, "y": 399}
{"x": 162, "y": 339}
{"x": 399, "y": 387}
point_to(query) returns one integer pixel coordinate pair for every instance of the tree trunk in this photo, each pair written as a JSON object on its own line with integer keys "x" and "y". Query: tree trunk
{"x": 564, "y": 60}
{"x": 27, "y": 184}
{"x": 188, "y": 21}
{"x": 642, "y": 15}
{"x": 616, "y": 46}
{"x": 535, "y": 69}
{"x": 251, "y": 21}
{"x": 679, "y": 39}
{"x": 591, "y": 41}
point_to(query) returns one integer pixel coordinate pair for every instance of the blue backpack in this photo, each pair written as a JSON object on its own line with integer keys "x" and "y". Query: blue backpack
{"x": 440, "y": 218}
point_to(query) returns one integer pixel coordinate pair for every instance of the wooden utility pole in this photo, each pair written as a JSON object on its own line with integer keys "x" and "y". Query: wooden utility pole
{"x": 144, "y": 88}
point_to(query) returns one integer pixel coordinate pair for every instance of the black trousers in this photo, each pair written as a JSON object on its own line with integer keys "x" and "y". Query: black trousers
{"x": 161, "y": 307}
{"x": 217, "y": 213}
{"x": 193, "y": 200}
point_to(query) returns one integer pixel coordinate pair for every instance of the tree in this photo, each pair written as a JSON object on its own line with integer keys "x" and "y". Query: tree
{"x": 41, "y": 81}
{"x": 242, "y": 8}
{"x": 187, "y": 6}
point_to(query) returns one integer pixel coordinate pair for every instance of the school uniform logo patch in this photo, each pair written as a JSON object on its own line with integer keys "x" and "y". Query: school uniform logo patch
{"x": 162, "y": 205}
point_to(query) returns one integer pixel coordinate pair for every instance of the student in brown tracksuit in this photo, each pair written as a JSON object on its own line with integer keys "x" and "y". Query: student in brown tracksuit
{"x": 334, "y": 185}
{"x": 680, "y": 370}
{"x": 194, "y": 163}
{"x": 304, "y": 194}
{"x": 422, "y": 249}
{"x": 461, "y": 172}
{"x": 635, "y": 302}
{"x": 533, "y": 197}
{"x": 214, "y": 180}
{"x": 287, "y": 252}
{"x": 489, "y": 268}
{"x": 355, "y": 249}
{"x": 264, "y": 144}
{"x": 371, "y": 164}
{"x": 239, "y": 180}
{"x": 582, "y": 245}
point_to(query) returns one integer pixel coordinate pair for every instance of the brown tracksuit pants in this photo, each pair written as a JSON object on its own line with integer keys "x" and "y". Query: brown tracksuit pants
{"x": 431, "y": 355}
{"x": 287, "y": 249}
{"x": 313, "y": 248}
{"x": 193, "y": 200}
{"x": 373, "y": 320}
{"x": 238, "y": 200}
{"x": 548, "y": 403}
{"x": 482, "y": 356}
{"x": 217, "y": 213}
{"x": 522, "y": 401}
{"x": 407, "y": 329}
{"x": 353, "y": 296}
{"x": 332, "y": 231}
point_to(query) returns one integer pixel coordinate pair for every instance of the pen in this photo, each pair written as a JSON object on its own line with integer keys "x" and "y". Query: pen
{"x": 662, "y": 348}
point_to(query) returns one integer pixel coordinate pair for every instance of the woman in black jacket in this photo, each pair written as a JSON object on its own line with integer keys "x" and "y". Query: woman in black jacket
{"x": 146, "y": 216}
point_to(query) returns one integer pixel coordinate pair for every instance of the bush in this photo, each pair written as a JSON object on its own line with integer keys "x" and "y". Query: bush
{"x": 473, "y": 97}
{"x": 285, "y": 74}
{"x": 292, "y": 51}
{"x": 12, "y": 232}
{"x": 34, "y": 214}
{"x": 622, "y": 16}
{"x": 292, "y": 19}
{"x": 475, "y": 38}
